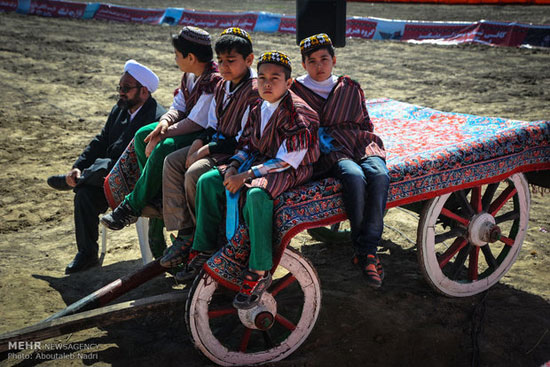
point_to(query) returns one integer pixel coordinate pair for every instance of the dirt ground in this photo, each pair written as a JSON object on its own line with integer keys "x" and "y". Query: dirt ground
{"x": 57, "y": 83}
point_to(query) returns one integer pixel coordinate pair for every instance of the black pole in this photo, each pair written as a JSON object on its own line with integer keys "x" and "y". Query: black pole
{"x": 112, "y": 290}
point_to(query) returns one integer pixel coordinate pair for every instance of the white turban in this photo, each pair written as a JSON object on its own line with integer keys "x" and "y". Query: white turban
{"x": 142, "y": 74}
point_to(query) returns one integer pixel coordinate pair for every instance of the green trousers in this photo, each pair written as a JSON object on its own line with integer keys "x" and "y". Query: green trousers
{"x": 150, "y": 181}
{"x": 257, "y": 213}
{"x": 157, "y": 242}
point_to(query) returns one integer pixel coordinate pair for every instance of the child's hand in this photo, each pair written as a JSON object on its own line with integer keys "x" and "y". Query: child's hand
{"x": 151, "y": 144}
{"x": 229, "y": 171}
{"x": 235, "y": 181}
{"x": 158, "y": 132}
{"x": 196, "y": 152}
{"x": 191, "y": 158}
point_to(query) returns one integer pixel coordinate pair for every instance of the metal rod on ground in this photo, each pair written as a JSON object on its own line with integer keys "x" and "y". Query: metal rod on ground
{"x": 112, "y": 290}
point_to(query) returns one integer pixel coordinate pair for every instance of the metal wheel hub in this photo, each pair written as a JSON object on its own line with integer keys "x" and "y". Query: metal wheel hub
{"x": 483, "y": 230}
{"x": 260, "y": 317}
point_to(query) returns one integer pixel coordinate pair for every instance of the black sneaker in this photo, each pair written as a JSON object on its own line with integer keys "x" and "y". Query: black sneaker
{"x": 194, "y": 266}
{"x": 122, "y": 216}
{"x": 178, "y": 253}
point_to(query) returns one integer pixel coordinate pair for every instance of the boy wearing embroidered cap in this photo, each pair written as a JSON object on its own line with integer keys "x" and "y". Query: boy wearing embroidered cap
{"x": 350, "y": 149}
{"x": 135, "y": 108}
{"x": 228, "y": 113}
{"x": 276, "y": 151}
{"x": 186, "y": 119}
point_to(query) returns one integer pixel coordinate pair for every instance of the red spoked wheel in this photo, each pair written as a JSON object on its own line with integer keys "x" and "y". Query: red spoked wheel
{"x": 270, "y": 331}
{"x": 468, "y": 239}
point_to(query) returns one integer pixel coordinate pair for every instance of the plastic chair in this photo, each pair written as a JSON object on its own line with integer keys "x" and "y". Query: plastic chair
{"x": 142, "y": 228}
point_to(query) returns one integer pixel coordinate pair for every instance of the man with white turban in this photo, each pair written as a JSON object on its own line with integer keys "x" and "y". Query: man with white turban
{"x": 134, "y": 109}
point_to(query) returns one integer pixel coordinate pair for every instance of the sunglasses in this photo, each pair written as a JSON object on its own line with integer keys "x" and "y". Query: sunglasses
{"x": 126, "y": 89}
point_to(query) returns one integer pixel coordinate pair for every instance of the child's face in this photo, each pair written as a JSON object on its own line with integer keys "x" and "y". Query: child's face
{"x": 182, "y": 62}
{"x": 233, "y": 66}
{"x": 319, "y": 65}
{"x": 272, "y": 83}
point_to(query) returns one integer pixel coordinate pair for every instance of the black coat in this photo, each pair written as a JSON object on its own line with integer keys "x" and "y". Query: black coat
{"x": 101, "y": 154}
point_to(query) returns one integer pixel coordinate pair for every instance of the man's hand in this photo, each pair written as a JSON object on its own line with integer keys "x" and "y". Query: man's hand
{"x": 72, "y": 177}
{"x": 158, "y": 132}
{"x": 235, "y": 181}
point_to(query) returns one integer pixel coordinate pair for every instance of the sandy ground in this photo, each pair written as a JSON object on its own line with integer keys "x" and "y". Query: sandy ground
{"x": 58, "y": 79}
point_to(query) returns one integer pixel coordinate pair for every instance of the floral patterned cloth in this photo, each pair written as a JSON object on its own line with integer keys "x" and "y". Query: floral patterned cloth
{"x": 123, "y": 177}
{"x": 429, "y": 153}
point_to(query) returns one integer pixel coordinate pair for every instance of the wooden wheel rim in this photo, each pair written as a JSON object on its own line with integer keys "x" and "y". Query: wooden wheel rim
{"x": 197, "y": 316}
{"x": 428, "y": 257}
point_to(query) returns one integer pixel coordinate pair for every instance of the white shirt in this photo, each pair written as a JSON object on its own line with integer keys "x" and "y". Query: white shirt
{"x": 199, "y": 112}
{"x": 132, "y": 115}
{"x": 292, "y": 158}
{"x": 323, "y": 88}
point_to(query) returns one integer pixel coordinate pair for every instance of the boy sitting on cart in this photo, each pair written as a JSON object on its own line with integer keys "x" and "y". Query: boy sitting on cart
{"x": 228, "y": 113}
{"x": 276, "y": 152}
{"x": 350, "y": 150}
{"x": 177, "y": 128}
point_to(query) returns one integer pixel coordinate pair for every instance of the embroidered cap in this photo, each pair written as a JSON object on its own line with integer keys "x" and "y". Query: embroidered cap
{"x": 237, "y": 32}
{"x": 196, "y": 35}
{"x": 275, "y": 57}
{"x": 314, "y": 42}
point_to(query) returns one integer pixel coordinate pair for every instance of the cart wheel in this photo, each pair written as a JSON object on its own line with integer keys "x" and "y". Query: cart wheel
{"x": 269, "y": 332}
{"x": 454, "y": 228}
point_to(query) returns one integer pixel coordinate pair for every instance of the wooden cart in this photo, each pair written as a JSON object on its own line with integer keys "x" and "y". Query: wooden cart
{"x": 468, "y": 186}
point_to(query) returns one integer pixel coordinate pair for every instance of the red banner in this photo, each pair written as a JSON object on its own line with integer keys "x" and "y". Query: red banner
{"x": 434, "y": 31}
{"x": 53, "y": 8}
{"x": 125, "y": 14}
{"x": 246, "y": 21}
{"x": 360, "y": 28}
{"x": 8, "y": 5}
{"x": 497, "y": 34}
{"x": 287, "y": 25}
{"x": 500, "y": 34}
{"x": 460, "y": 2}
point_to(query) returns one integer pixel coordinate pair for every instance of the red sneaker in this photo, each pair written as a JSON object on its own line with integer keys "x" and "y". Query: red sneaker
{"x": 252, "y": 288}
{"x": 372, "y": 269}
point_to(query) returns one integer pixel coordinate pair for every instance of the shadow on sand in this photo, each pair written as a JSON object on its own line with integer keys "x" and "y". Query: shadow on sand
{"x": 405, "y": 323}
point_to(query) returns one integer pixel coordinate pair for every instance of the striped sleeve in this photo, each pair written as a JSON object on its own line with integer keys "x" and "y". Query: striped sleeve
{"x": 271, "y": 166}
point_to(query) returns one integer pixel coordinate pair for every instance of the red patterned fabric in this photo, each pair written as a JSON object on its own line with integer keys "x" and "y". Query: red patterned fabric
{"x": 441, "y": 152}
{"x": 122, "y": 178}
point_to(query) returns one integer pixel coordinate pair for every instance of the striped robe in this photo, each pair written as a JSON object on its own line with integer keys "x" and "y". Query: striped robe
{"x": 344, "y": 116}
{"x": 204, "y": 84}
{"x": 230, "y": 116}
{"x": 293, "y": 121}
